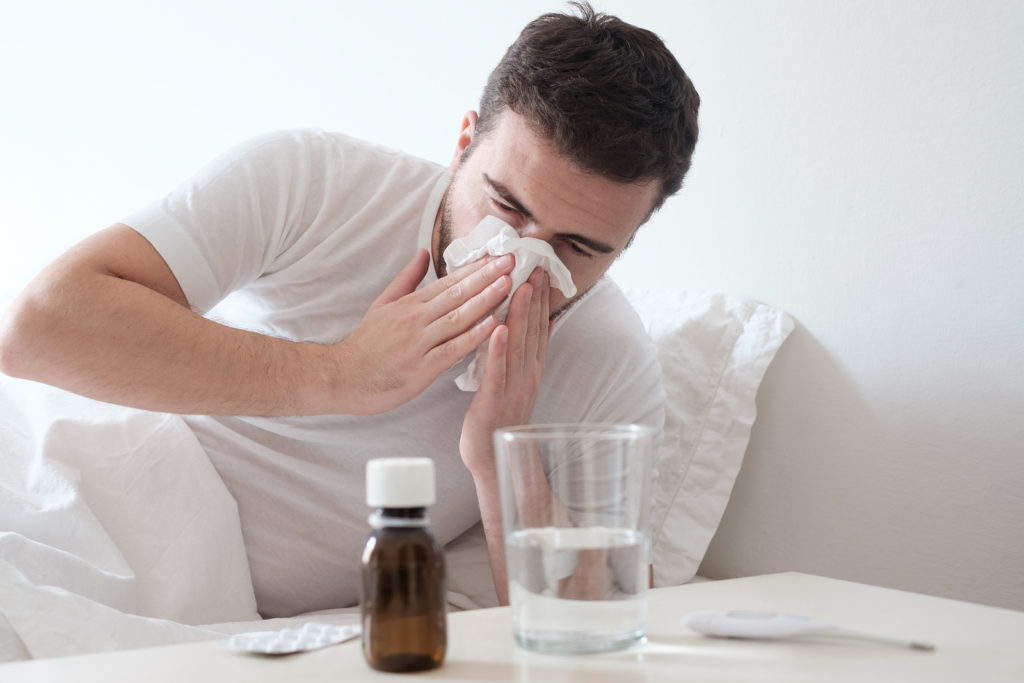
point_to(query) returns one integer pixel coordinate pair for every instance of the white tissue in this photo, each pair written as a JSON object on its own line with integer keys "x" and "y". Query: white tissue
{"x": 492, "y": 236}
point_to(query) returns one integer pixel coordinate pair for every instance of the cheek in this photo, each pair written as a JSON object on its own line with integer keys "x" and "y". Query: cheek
{"x": 465, "y": 216}
{"x": 585, "y": 273}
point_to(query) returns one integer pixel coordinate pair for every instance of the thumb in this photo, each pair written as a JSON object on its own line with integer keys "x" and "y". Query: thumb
{"x": 406, "y": 280}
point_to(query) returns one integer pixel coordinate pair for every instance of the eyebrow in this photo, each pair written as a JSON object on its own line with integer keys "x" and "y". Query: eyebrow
{"x": 510, "y": 199}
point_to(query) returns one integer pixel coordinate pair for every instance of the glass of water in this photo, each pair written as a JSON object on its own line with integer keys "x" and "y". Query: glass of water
{"x": 575, "y": 502}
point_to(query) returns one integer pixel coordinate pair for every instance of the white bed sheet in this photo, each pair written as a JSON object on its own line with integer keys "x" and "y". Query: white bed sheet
{"x": 116, "y": 530}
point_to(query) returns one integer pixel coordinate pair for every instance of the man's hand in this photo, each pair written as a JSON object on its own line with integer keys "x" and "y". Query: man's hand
{"x": 512, "y": 375}
{"x": 407, "y": 337}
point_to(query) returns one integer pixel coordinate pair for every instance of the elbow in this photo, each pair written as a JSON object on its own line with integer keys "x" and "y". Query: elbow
{"x": 16, "y": 341}
{"x": 8, "y": 354}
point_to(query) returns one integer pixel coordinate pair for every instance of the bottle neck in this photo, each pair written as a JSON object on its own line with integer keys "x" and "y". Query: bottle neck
{"x": 399, "y": 517}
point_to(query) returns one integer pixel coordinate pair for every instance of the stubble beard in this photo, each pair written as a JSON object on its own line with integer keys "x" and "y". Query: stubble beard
{"x": 445, "y": 233}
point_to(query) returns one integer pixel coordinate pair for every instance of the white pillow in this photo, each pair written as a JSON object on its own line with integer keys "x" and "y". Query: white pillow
{"x": 113, "y": 505}
{"x": 714, "y": 350}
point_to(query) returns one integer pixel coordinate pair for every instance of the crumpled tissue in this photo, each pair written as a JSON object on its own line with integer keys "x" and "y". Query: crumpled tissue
{"x": 494, "y": 237}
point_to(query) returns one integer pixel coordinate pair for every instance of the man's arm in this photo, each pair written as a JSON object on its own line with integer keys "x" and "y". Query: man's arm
{"x": 109, "y": 320}
{"x": 512, "y": 375}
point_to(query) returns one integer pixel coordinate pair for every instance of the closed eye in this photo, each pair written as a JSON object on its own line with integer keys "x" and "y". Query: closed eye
{"x": 504, "y": 199}
{"x": 577, "y": 249}
{"x": 503, "y": 206}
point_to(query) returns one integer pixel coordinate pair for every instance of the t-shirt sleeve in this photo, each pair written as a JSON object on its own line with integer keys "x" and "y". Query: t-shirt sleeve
{"x": 226, "y": 225}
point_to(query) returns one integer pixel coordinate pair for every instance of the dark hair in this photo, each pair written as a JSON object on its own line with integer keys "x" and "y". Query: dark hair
{"x": 610, "y": 96}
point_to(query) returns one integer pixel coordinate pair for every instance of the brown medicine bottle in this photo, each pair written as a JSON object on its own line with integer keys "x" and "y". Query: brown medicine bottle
{"x": 403, "y": 583}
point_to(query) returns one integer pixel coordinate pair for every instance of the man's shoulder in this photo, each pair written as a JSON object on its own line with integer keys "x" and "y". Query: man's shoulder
{"x": 322, "y": 149}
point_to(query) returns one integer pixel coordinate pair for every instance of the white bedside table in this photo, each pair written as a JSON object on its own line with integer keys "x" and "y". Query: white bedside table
{"x": 973, "y": 643}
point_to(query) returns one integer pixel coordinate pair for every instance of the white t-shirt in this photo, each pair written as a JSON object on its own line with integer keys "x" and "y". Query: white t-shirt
{"x": 294, "y": 234}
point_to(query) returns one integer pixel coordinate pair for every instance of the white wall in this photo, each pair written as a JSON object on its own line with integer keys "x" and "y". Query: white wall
{"x": 860, "y": 166}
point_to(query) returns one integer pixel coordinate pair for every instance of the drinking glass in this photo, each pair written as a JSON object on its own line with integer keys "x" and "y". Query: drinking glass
{"x": 575, "y": 501}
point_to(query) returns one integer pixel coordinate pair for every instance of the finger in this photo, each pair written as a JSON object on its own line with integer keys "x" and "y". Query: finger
{"x": 406, "y": 280}
{"x": 452, "y": 278}
{"x": 449, "y": 352}
{"x": 457, "y": 320}
{"x": 536, "y": 330}
{"x": 545, "y": 319}
{"x": 495, "y": 371}
{"x": 518, "y": 323}
{"x": 457, "y": 288}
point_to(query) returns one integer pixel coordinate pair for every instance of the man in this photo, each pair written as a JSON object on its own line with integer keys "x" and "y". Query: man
{"x": 291, "y": 280}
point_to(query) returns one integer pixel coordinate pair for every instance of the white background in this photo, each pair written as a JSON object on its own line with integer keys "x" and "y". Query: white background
{"x": 860, "y": 166}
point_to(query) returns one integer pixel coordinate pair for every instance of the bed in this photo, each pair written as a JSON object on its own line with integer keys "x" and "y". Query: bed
{"x": 116, "y": 531}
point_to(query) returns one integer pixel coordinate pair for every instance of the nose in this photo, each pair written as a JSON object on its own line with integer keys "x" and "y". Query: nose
{"x": 529, "y": 229}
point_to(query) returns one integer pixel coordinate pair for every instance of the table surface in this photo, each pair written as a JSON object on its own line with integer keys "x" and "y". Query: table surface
{"x": 973, "y": 642}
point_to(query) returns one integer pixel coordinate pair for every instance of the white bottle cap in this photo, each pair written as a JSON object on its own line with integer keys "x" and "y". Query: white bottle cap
{"x": 400, "y": 482}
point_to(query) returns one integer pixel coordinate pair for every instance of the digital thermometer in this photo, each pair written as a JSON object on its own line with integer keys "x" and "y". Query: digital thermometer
{"x": 774, "y": 626}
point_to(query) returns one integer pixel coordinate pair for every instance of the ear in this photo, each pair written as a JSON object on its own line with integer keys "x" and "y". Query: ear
{"x": 465, "y": 137}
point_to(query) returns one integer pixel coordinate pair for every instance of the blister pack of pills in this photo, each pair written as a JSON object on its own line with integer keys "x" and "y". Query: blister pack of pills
{"x": 310, "y": 636}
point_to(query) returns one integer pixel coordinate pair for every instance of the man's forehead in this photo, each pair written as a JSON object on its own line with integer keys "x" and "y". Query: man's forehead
{"x": 528, "y": 166}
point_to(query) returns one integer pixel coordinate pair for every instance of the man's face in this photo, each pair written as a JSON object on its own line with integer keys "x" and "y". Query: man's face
{"x": 517, "y": 175}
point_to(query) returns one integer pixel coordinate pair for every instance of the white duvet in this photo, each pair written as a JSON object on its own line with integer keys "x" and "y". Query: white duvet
{"x": 115, "y": 531}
